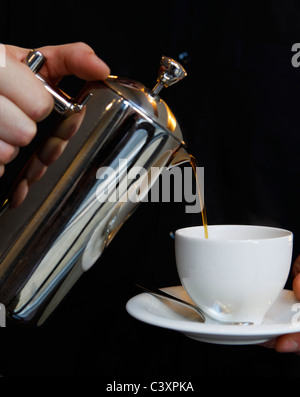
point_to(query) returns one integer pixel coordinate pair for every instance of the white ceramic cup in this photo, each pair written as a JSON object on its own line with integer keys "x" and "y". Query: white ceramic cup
{"x": 238, "y": 272}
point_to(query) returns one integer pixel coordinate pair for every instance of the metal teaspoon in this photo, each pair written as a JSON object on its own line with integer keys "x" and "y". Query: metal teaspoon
{"x": 160, "y": 293}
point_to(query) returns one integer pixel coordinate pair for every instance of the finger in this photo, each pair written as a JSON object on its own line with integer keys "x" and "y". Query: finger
{"x": 296, "y": 266}
{"x": 56, "y": 144}
{"x": 77, "y": 59}
{"x": 288, "y": 343}
{"x": 70, "y": 125}
{"x": 18, "y": 53}
{"x": 7, "y": 152}
{"x": 52, "y": 149}
{"x": 2, "y": 169}
{"x": 16, "y": 128}
{"x": 62, "y": 60}
{"x": 19, "y": 194}
{"x": 296, "y": 286}
{"x": 19, "y": 84}
{"x": 33, "y": 173}
{"x": 35, "y": 170}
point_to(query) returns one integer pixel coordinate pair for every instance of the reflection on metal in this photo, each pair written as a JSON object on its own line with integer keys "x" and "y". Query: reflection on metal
{"x": 64, "y": 225}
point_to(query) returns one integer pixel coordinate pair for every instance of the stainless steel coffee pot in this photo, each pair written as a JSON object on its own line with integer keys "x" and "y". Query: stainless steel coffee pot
{"x": 75, "y": 210}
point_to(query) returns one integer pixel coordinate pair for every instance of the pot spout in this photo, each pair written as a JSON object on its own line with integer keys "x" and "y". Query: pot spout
{"x": 179, "y": 157}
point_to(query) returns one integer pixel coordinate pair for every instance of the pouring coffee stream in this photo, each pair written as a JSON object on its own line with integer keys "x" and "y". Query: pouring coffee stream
{"x": 194, "y": 165}
{"x": 70, "y": 217}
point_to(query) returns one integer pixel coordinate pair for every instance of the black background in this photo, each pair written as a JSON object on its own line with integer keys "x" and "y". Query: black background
{"x": 239, "y": 110}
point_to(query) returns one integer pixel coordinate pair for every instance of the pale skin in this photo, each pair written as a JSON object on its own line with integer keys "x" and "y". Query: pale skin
{"x": 24, "y": 101}
{"x": 289, "y": 343}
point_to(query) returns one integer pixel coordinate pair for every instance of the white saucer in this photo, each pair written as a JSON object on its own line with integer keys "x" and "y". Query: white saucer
{"x": 282, "y": 318}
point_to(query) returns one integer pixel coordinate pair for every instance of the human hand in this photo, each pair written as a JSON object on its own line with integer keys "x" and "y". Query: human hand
{"x": 289, "y": 343}
{"x": 19, "y": 113}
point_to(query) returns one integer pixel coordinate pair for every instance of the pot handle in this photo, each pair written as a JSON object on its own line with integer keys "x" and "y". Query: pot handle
{"x": 63, "y": 103}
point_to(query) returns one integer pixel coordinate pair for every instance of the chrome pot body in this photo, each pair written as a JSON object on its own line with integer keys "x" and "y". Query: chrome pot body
{"x": 76, "y": 209}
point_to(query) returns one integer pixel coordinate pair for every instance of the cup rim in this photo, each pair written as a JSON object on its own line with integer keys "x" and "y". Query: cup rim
{"x": 283, "y": 233}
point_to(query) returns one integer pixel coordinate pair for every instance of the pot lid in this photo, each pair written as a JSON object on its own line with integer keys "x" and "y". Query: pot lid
{"x": 148, "y": 101}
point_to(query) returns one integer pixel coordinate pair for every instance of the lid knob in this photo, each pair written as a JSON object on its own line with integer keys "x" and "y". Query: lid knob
{"x": 169, "y": 73}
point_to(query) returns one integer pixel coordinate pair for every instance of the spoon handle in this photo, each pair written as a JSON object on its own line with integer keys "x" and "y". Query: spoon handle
{"x": 163, "y": 294}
